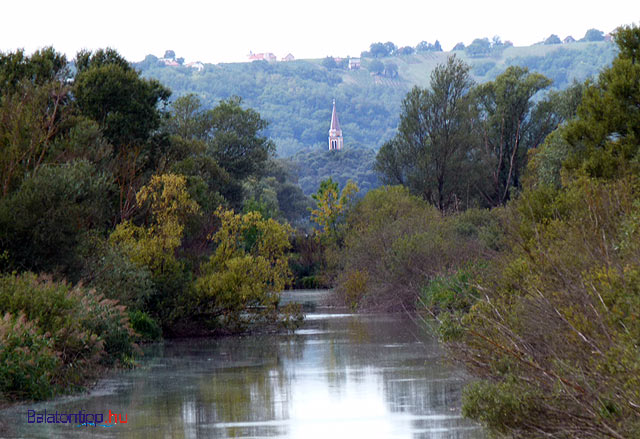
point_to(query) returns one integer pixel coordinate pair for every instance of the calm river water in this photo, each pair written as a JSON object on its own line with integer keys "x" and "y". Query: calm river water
{"x": 340, "y": 376}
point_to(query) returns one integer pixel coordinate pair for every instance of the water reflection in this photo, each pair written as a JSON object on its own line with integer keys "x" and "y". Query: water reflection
{"x": 340, "y": 376}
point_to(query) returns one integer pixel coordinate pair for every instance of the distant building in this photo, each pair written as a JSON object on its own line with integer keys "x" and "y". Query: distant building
{"x": 289, "y": 57}
{"x": 569, "y": 39}
{"x": 262, "y": 57}
{"x": 169, "y": 62}
{"x": 196, "y": 65}
{"x": 335, "y": 133}
{"x": 354, "y": 63}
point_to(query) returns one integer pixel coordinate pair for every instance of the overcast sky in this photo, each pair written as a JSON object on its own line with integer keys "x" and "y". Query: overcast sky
{"x": 225, "y": 31}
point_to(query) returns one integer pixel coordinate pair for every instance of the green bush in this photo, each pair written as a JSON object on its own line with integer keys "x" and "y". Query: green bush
{"x": 450, "y": 293}
{"x": 28, "y": 360}
{"x": 43, "y": 221}
{"x": 85, "y": 330}
{"x": 398, "y": 243}
{"x": 145, "y": 327}
{"x": 111, "y": 273}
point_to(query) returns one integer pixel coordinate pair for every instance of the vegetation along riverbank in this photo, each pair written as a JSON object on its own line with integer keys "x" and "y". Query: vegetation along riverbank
{"x": 508, "y": 215}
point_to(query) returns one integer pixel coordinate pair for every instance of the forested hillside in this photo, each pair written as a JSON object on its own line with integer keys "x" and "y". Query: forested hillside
{"x": 295, "y": 97}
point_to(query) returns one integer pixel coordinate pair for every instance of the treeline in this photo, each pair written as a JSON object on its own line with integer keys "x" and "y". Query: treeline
{"x": 535, "y": 291}
{"x": 295, "y": 97}
{"x": 125, "y": 217}
{"x": 461, "y": 145}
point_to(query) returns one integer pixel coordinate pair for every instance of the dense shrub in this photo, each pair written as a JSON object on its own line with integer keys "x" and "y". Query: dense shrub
{"x": 43, "y": 221}
{"x": 27, "y": 360}
{"x": 555, "y": 339}
{"x": 146, "y": 328}
{"x": 396, "y": 243}
{"x": 83, "y": 330}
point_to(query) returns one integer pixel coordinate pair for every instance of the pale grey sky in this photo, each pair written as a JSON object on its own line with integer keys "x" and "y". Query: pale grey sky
{"x": 225, "y": 31}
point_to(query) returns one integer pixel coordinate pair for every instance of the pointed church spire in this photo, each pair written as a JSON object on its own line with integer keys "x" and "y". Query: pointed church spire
{"x": 335, "y": 133}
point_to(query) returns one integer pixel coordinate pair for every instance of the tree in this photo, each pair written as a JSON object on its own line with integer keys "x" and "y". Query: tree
{"x": 169, "y": 54}
{"x": 553, "y": 39}
{"x": 479, "y": 47}
{"x": 329, "y": 63}
{"x": 593, "y": 35}
{"x": 376, "y": 67}
{"x": 434, "y": 137}
{"x": 605, "y": 137}
{"x": 235, "y": 141}
{"x": 406, "y": 50}
{"x": 34, "y": 111}
{"x": 382, "y": 50}
{"x": 458, "y": 46}
{"x": 188, "y": 119}
{"x": 331, "y": 205}
{"x": 44, "y": 220}
{"x": 506, "y": 111}
{"x": 246, "y": 273}
{"x": 42, "y": 67}
{"x": 108, "y": 90}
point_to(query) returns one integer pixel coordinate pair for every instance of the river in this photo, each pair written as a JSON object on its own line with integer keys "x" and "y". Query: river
{"x": 339, "y": 376}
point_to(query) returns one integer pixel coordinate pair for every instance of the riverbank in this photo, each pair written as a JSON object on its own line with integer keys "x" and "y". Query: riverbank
{"x": 340, "y": 375}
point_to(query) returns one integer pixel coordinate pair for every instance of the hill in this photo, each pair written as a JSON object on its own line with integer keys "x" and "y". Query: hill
{"x": 295, "y": 97}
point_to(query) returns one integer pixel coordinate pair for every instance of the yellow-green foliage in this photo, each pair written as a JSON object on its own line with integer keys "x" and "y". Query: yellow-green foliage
{"x": 249, "y": 267}
{"x": 154, "y": 246}
{"x": 331, "y": 204}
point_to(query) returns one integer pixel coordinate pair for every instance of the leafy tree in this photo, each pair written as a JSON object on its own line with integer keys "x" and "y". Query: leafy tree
{"x": 391, "y": 48}
{"x": 31, "y": 117}
{"x": 331, "y": 205}
{"x": 593, "y": 35}
{"x": 188, "y": 118}
{"x": 382, "y": 50}
{"x": 44, "y": 220}
{"x": 553, "y": 39}
{"x": 329, "y": 63}
{"x": 376, "y": 67}
{"x": 434, "y": 137}
{"x": 169, "y": 54}
{"x": 108, "y": 90}
{"x": 479, "y": 47}
{"x": 406, "y": 50}
{"x": 506, "y": 110}
{"x": 556, "y": 328}
{"x": 458, "y": 46}
{"x": 247, "y": 270}
{"x": 154, "y": 246}
{"x": 235, "y": 140}
{"x": 605, "y": 137}
{"x": 42, "y": 67}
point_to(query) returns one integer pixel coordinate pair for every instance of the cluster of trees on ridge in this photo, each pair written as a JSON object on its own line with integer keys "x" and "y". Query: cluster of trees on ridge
{"x": 295, "y": 97}
{"x": 537, "y": 294}
{"x": 124, "y": 217}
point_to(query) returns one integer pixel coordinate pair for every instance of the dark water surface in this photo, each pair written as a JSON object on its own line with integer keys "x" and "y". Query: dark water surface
{"x": 340, "y": 376}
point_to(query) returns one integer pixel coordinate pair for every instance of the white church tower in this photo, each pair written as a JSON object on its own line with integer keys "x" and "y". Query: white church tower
{"x": 335, "y": 133}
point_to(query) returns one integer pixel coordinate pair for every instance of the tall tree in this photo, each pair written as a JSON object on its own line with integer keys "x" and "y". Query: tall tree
{"x": 429, "y": 152}
{"x": 108, "y": 90}
{"x": 235, "y": 140}
{"x": 506, "y": 107}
